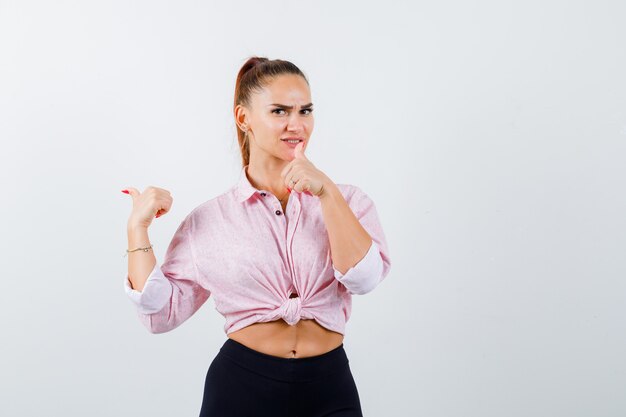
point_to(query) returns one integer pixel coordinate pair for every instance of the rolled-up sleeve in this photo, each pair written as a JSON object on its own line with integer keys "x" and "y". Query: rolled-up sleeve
{"x": 375, "y": 265}
{"x": 173, "y": 291}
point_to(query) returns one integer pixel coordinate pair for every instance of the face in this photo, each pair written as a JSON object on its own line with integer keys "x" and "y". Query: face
{"x": 281, "y": 110}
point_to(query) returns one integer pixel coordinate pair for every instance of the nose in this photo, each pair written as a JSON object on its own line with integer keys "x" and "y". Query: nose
{"x": 295, "y": 122}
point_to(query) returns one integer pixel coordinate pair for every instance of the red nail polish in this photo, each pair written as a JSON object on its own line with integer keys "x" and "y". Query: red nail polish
{"x": 125, "y": 191}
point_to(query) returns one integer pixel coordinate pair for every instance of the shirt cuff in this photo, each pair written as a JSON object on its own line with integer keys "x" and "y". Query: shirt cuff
{"x": 156, "y": 292}
{"x": 365, "y": 275}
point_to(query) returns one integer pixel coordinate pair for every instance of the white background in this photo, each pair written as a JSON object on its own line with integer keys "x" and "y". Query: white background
{"x": 491, "y": 136}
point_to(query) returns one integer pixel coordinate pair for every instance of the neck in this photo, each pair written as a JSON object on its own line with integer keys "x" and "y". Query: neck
{"x": 266, "y": 176}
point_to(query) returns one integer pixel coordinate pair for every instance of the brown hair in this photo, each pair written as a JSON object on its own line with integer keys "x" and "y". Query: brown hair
{"x": 256, "y": 73}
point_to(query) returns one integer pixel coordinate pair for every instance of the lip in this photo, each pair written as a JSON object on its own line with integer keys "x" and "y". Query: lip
{"x": 292, "y": 145}
{"x": 293, "y": 138}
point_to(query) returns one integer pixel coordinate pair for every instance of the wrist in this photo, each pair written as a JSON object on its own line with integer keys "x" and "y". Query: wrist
{"x": 329, "y": 189}
{"x": 132, "y": 226}
{"x": 137, "y": 234}
{"x": 136, "y": 230}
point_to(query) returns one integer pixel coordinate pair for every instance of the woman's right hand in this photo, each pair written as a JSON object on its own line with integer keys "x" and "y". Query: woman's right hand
{"x": 153, "y": 202}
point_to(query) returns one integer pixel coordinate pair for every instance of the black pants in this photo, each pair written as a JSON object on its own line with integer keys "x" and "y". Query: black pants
{"x": 243, "y": 382}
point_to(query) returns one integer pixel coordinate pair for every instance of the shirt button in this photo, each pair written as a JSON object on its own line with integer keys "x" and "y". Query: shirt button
{"x": 263, "y": 194}
{"x": 278, "y": 212}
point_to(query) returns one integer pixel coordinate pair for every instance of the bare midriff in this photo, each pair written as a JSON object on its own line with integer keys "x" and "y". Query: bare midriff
{"x": 277, "y": 338}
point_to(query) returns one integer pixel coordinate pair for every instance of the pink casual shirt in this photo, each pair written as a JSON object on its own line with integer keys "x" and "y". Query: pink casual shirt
{"x": 241, "y": 248}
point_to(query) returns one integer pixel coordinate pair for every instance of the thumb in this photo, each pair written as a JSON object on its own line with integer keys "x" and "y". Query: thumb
{"x": 133, "y": 192}
{"x": 299, "y": 151}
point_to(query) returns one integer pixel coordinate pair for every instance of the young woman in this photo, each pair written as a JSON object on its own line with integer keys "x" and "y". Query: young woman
{"x": 281, "y": 252}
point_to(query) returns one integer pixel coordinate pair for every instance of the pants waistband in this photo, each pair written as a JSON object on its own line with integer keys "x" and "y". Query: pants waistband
{"x": 285, "y": 369}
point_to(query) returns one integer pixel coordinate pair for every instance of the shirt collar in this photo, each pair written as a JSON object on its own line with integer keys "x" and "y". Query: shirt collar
{"x": 244, "y": 190}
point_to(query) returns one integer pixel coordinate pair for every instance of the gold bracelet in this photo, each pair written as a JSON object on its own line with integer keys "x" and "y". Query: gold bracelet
{"x": 143, "y": 249}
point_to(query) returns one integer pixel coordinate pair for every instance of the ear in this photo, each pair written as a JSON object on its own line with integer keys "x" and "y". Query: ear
{"x": 241, "y": 116}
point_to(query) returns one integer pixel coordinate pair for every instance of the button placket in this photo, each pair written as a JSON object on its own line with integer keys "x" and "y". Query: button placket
{"x": 294, "y": 209}
{"x": 277, "y": 212}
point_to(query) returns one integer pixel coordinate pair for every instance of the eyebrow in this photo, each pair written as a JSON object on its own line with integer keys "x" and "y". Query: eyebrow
{"x": 306, "y": 106}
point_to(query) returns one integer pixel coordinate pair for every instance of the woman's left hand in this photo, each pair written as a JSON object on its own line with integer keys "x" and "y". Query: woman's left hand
{"x": 301, "y": 175}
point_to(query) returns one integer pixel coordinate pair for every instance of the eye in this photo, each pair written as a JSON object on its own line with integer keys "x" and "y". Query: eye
{"x": 275, "y": 110}
{"x": 309, "y": 111}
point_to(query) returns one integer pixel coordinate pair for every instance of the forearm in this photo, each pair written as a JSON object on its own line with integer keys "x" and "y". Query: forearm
{"x": 140, "y": 263}
{"x": 349, "y": 241}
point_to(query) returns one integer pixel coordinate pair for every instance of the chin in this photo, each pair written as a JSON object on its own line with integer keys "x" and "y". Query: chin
{"x": 286, "y": 154}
